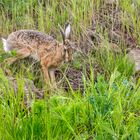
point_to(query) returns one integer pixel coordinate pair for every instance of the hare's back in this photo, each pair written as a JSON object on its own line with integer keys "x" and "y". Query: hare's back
{"x": 25, "y": 38}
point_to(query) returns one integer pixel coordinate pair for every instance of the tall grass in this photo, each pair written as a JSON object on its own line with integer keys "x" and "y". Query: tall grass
{"x": 106, "y": 111}
{"x": 108, "y": 108}
{"x": 44, "y": 16}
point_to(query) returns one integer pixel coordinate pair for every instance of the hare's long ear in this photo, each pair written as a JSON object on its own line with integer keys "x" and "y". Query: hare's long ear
{"x": 67, "y": 31}
{"x": 62, "y": 33}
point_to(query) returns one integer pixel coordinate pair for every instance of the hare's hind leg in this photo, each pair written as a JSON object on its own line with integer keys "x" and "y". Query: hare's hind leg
{"x": 22, "y": 53}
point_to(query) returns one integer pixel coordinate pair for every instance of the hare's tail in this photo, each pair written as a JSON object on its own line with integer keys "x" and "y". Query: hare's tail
{"x": 5, "y": 45}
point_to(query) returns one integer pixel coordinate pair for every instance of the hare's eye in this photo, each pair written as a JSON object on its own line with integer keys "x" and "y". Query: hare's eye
{"x": 65, "y": 50}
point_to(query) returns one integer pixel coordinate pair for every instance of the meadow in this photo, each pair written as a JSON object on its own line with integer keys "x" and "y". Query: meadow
{"x": 98, "y": 96}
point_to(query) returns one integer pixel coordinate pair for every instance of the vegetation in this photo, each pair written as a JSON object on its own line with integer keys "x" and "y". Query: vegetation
{"x": 105, "y": 102}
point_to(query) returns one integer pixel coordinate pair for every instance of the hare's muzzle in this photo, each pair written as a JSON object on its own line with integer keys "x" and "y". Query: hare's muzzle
{"x": 66, "y": 59}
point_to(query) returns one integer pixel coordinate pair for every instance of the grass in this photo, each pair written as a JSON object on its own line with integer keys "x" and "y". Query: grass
{"x": 108, "y": 107}
{"x": 108, "y": 110}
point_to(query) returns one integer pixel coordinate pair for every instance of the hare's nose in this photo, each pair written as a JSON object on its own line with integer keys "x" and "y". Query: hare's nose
{"x": 66, "y": 60}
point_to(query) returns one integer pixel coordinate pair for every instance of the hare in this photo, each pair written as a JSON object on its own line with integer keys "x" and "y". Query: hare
{"x": 42, "y": 47}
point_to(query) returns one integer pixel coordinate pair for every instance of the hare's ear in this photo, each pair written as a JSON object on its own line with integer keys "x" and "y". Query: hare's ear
{"x": 67, "y": 31}
{"x": 62, "y": 33}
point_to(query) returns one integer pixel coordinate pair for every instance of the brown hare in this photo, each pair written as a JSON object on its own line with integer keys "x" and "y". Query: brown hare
{"x": 41, "y": 47}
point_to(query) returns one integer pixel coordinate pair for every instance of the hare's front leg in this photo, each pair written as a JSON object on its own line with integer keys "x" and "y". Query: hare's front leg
{"x": 52, "y": 77}
{"x": 46, "y": 73}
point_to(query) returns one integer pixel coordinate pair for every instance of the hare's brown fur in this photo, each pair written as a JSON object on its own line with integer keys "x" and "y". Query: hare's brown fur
{"x": 42, "y": 47}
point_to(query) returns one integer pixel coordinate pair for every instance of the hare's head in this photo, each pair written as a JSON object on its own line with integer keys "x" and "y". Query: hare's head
{"x": 68, "y": 45}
